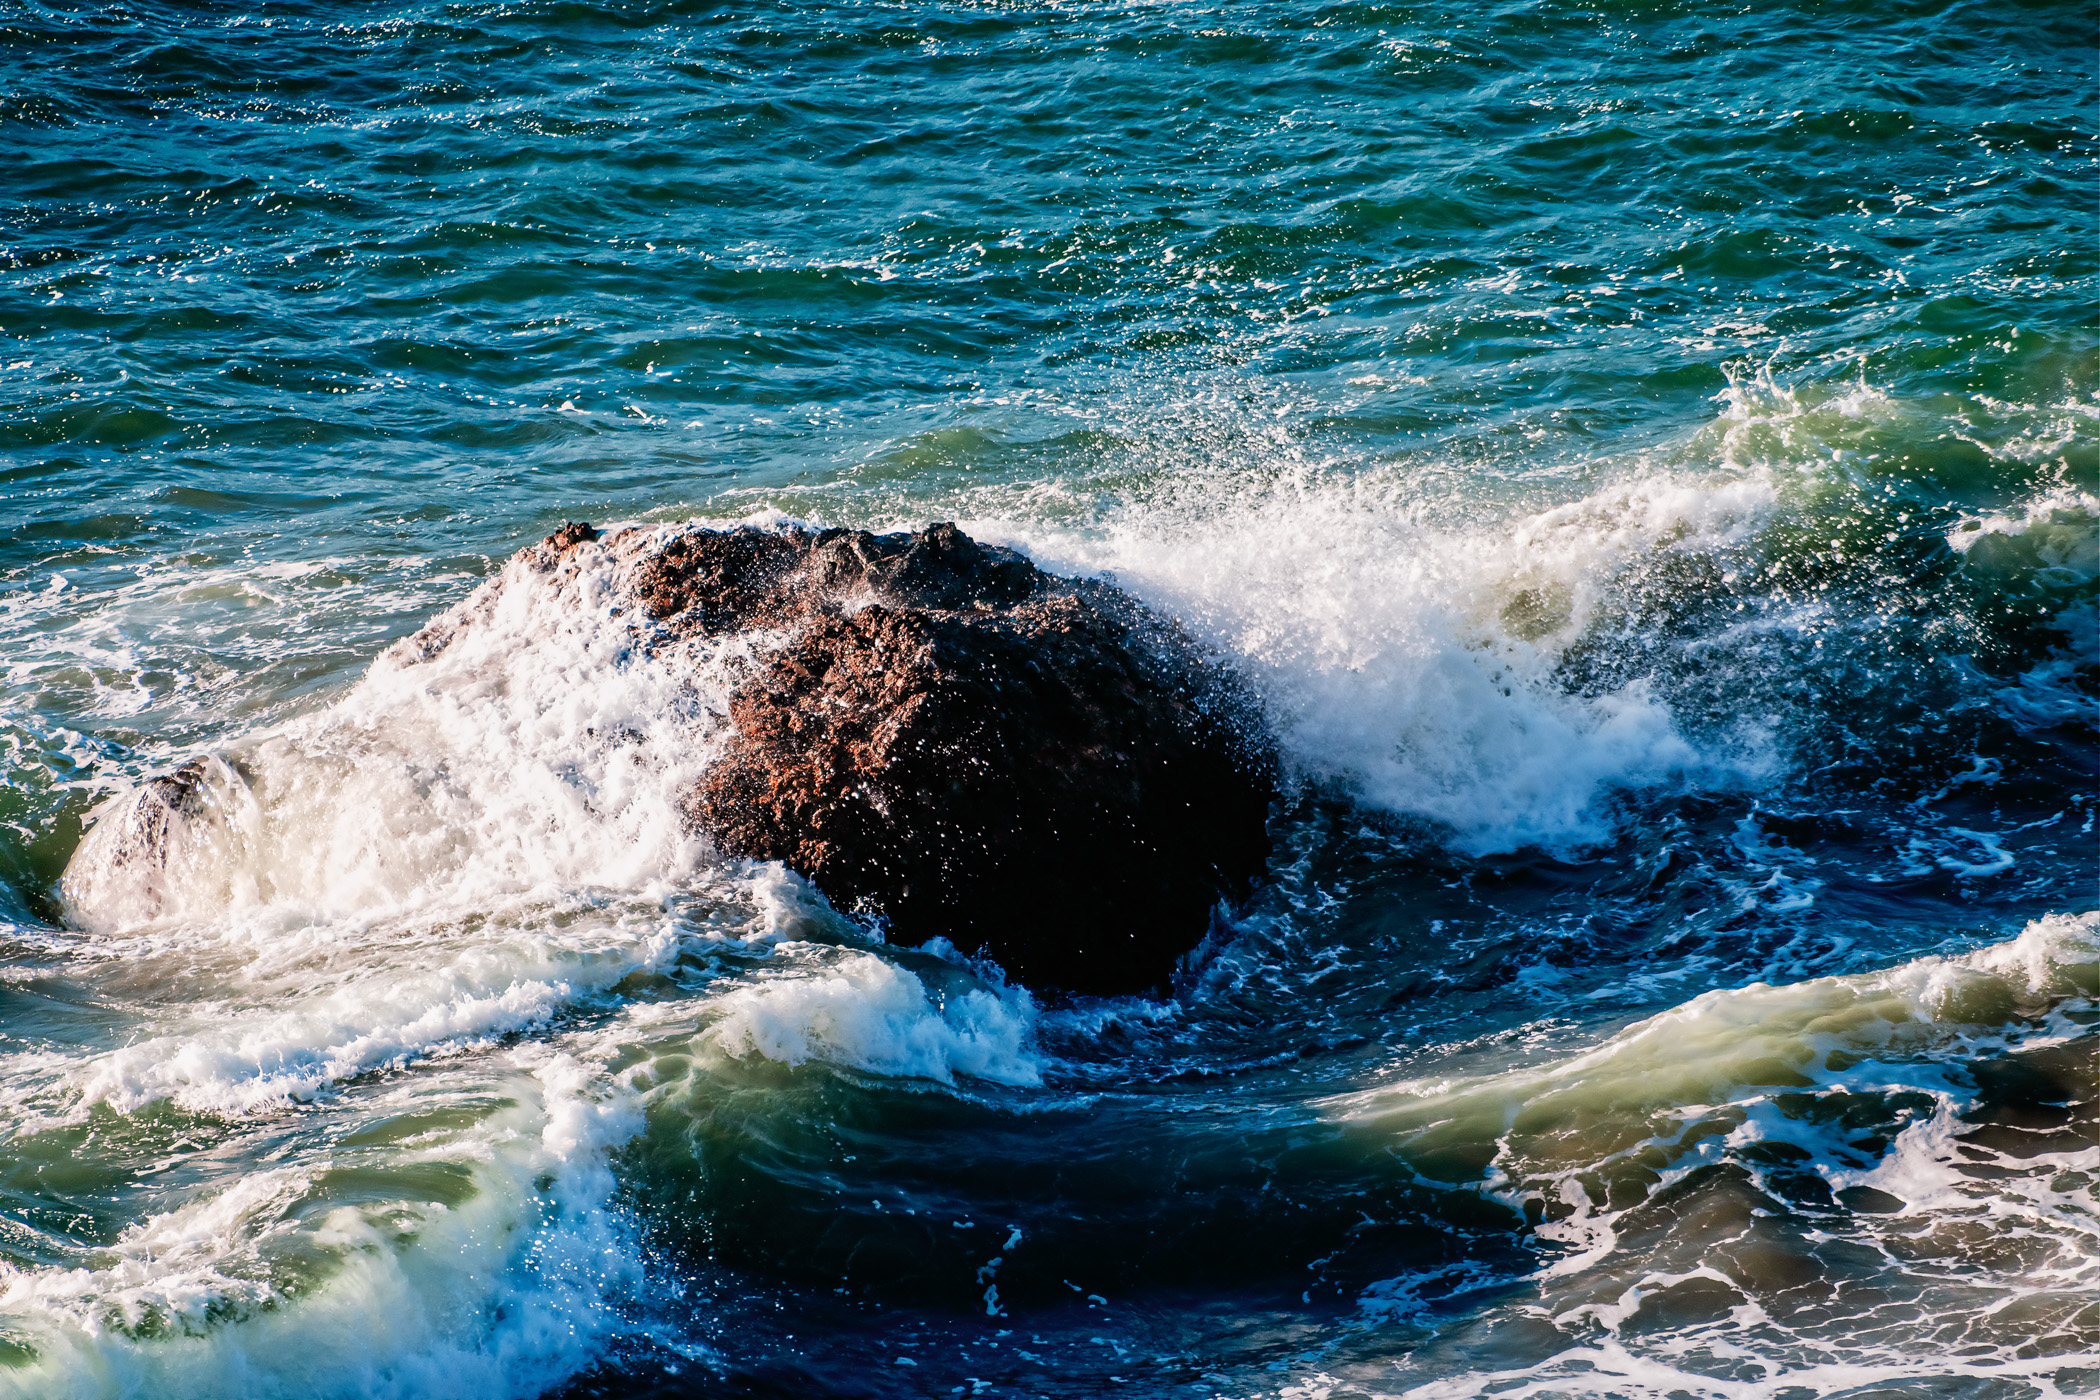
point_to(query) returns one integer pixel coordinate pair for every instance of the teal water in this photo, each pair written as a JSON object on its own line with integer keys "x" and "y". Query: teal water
{"x": 1643, "y": 455}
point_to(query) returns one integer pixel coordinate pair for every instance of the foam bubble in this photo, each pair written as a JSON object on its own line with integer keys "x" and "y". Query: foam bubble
{"x": 2054, "y": 957}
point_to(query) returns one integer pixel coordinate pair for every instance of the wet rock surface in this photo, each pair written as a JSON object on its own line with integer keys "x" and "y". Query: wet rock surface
{"x": 960, "y": 745}
{"x": 139, "y": 839}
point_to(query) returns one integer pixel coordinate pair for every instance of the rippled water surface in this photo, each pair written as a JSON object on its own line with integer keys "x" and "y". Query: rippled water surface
{"x": 1643, "y": 456}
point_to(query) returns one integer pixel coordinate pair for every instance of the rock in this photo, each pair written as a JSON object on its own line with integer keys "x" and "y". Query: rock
{"x": 134, "y": 846}
{"x": 944, "y": 739}
{"x": 957, "y": 744}
{"x": 163, "y": 801}
{"x": 571, "y": 534}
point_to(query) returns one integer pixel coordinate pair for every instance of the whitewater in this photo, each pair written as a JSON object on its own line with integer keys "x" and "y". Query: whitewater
{"x": 1642, "y": 463}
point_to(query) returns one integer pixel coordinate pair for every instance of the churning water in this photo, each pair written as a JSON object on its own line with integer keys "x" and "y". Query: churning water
{"x": 1644, "y": 456}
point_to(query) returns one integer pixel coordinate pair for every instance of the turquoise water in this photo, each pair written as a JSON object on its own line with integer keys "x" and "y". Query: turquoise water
{"x": 1644, "y": 457}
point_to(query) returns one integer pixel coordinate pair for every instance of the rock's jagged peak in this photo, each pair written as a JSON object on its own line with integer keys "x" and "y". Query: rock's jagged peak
{"x": 719, "y": 581}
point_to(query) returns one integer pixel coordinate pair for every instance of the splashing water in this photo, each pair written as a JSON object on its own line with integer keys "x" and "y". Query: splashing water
{"x": 1645, "y": 465}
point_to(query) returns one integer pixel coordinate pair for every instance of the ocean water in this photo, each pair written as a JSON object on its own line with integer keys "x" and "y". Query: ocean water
{"x": 1643, "y": 455}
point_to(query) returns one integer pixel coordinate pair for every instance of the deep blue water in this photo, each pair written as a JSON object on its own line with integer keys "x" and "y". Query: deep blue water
{"x": 1643, "y": 455}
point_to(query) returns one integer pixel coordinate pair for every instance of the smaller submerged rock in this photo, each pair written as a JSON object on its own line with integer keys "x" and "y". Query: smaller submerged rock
{"x": 966, "y": 747}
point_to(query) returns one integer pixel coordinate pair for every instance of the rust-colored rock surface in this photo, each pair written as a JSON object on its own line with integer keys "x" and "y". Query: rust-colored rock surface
{"x": 964, "y": 746}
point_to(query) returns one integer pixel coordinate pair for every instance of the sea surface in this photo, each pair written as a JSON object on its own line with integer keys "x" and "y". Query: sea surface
{"x": 1643, "y": 455}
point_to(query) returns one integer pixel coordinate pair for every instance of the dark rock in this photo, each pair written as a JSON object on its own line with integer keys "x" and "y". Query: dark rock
{"x": 571, "y": 534}
{"x": 726, "y": 580}
{"x": 139, "y": 839}
{"x": 967, "y": 747}
{"x": 174, "y": 796}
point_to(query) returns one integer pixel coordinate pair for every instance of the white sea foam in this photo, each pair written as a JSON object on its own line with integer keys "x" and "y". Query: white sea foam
{"x": 538, "y": 736}
{"x": 1759, "y": 1080}
{"x": 287, "y": 1034}
{"x": 501, "y": 1293}
{"x": 873, "y": 1015}
{"x": 2057, "y": 524}
{"x": 174, "y": 642}
{"x": 479, "y": 838}
{"x": 2048, "y": 544}
{"x": 1612, "y": 1368}
{"x": 1721, "y": 1041}
{"x": 414, "y": 868}
{"x": 1414, "y": 661}
{"x": 2054, "y": 957}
